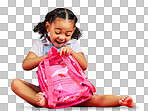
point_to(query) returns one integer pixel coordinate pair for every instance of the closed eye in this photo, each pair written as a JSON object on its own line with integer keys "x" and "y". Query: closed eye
{"x": 57, "y": 32}
{"x": 67, "y": 34}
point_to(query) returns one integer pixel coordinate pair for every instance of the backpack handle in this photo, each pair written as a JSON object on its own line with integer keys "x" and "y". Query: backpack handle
{"x": 52, "y": 51}
{"x": 53, "y": 56}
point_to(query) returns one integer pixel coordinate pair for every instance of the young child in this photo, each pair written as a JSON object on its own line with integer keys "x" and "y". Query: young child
{"x": 59, "y": 30}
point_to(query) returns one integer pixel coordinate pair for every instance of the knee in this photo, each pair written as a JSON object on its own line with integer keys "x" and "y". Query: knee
{"x": 15, "y": 84}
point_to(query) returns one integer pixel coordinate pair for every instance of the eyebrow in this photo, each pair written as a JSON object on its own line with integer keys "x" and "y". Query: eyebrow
{"x": 61, "y": 29}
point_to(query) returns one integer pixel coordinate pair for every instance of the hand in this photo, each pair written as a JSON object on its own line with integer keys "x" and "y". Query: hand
{"x": 44, "y": 56}
{"x": 65, "y": 51}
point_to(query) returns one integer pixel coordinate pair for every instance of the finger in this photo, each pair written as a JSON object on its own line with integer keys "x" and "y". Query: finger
{"x": 61, "y": 51}
{"x": 64, "y": 51}
{"x": 68, "y": 52}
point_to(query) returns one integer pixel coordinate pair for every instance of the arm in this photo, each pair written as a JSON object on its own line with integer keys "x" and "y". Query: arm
{"x": 31, "y": 61}
{"x": 80, "y": 59}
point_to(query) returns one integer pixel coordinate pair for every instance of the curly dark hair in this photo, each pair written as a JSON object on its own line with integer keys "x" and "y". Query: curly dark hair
{"x": 51, "y": 16}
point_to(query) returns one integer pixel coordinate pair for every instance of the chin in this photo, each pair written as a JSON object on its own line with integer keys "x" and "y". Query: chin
{"x": 58, "y": 45}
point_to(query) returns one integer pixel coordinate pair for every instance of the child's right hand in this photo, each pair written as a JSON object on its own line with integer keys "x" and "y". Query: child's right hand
{"x": 44, "y": 56}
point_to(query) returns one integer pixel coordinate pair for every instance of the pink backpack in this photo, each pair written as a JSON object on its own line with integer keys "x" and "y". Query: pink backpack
{"x": 63, "y": 81}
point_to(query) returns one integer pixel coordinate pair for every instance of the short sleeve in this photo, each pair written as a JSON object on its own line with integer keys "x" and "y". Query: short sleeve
{"x": 37, "y": 48}
{"x": 76, "y": 47}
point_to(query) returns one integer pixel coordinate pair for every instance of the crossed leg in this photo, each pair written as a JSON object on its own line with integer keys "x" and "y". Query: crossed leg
{"x": 108, "y": 101}
{"x": 32, "y": 94}
{"x": 25, "y": 90}
{"x": 96, "y": 101}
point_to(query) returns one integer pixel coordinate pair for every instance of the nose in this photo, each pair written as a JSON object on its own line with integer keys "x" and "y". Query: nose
{"x": 62, "y": 38}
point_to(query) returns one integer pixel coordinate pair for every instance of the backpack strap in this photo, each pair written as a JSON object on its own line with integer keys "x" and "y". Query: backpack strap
{"x": 53, "y": 95}
{"x": 84, "y": 81}
{"x": 89, "y": 85}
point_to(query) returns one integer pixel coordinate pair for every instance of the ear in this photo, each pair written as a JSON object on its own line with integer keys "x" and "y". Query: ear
{"x": 74, "y": 29}
{"x": 47, "y": 26}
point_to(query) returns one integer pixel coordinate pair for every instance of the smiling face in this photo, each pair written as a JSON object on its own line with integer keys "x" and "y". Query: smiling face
{"x": 61, "y": 31}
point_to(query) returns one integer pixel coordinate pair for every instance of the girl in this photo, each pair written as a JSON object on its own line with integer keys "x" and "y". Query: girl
{"x": 59, "y": 30}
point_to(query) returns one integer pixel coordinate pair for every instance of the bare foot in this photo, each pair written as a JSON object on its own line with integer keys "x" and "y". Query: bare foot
{"x": 127, "y": 101}
{"x": 41, "y": 100}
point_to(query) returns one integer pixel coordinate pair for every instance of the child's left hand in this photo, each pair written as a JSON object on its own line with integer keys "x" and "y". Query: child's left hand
{"x": 65, "y": 51}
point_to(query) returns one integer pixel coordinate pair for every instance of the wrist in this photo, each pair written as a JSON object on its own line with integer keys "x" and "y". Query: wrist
{"x": 44, "y": 56}
{"x": 72, "y": 52}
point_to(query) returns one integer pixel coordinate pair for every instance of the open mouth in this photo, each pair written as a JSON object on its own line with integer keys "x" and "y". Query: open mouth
{"x": 59, "y": 42}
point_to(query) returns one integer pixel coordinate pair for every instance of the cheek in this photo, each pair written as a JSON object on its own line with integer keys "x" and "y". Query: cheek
{"x": 53, "y": 36}
{"x": 67, "y": 39}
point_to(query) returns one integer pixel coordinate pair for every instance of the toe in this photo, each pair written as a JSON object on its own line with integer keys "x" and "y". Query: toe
{"x": 121, "y": 103}
{"x": 127, "y": 96}
{"x": 38, "y": 100}
{"x": 123, "y": 99}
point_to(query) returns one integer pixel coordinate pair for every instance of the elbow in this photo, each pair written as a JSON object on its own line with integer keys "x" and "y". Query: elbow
{"x": 25, "y": 67}
{"x": 85, "y": 67}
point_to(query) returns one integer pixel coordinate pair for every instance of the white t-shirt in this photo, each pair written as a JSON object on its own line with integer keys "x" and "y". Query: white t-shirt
{"x": 37, "y": 47}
